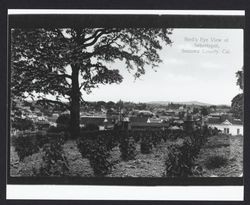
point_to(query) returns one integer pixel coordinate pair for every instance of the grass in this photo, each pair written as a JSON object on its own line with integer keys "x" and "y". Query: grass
{"x": 216, "y": 161}
{"x": 222, "y": 156}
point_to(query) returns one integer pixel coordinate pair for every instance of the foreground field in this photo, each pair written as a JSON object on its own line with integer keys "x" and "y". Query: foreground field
{"x": 229, "y": 148}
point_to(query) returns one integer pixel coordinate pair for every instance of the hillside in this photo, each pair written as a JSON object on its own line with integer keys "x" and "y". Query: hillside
{"x": 184, "y": 103}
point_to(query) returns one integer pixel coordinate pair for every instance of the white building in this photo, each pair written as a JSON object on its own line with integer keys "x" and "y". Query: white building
{"x": 228, "y": 128}
{"x": 154, "y": 120}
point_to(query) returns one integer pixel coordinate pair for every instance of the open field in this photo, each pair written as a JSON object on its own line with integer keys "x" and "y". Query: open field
{"x": 228, "y": 147}
{"x": 144, "y": 165}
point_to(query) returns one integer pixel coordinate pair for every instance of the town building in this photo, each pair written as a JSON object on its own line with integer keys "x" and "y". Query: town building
{"x": 228, "y": 127}
{"x": 154, "y": 120}
{"x": 101, "y": 121}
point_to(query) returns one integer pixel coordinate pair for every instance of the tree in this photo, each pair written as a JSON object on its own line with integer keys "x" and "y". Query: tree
{"x": 100, "y": 104}
{"x": 237, "y": 101}
{"x": 195, "y": 110}
{"x": 240, "y": 79}
{"x": 91, "y": 127}
{"x": 65, "y": 62}
{"x": 212, "y": 107}
{"x": 237, "y": 106}
{"x": 110, "y": 105}
{"x": 22, "y": 124}
{"x": 141, "y": 106}
{"x": 204, "y": 111}
{"x": 63, "y": 121}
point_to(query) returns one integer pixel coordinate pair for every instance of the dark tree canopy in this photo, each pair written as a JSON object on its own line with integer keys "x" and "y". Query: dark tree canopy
{"x": 240, "y": 79}
{"x": 238, "y": 100}
{"x": 40, "y": 56}
{"x": 65, "y": 62}
{"x": 204, "y": 111}
{"x": 237, "y": 106}
{"x": 63, "y": 120}
{"x": 22, "y": 124}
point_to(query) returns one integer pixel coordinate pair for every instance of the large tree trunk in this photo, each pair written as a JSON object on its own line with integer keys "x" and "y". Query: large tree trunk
{"x": 75, "y": 104}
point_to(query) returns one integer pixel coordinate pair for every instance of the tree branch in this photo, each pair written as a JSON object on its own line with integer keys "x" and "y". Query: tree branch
{"x": 60, "y": 34}
{"x": 94, "y": 35}
{"x": 59, "y": 75}
{"x": 47, "y": 101}
{"x": 97, "y": 36}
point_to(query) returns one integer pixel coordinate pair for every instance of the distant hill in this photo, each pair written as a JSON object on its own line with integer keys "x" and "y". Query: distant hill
{"x": 183, "y": 103}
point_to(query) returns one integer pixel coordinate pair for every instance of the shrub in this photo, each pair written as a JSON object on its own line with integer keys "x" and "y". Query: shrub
{"x": 216, "y": 161}
{"x": 165, "y": 135}
{"x": 157, "y": 137}
{"x": 95, "y": 149}
{"x": 53, "y": 129}
{"x": 136, "y": 136}
{"x": 63, "y": 122}
{"x": 91, "y": 127}
{"x": 99, "y": 160}
{"x": 127, "y": 147}
{"x": 112, "y": 140}
{"x": 22, "y": 124}
{"x": 59, "y": 130}
{"x": 179, "y": 161}
{"x": 146, "y": 144}
{"x": 54, "y": 159}
{"x": 25, "y": 146}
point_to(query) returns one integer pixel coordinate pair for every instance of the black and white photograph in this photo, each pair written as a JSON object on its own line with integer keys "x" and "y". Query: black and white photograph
{"x": 125, "y": 101}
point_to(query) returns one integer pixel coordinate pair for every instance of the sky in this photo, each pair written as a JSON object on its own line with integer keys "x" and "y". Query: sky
{"x": 200, "y": 65}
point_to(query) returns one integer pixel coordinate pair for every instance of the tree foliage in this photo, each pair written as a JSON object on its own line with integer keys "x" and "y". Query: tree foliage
{"x": 240, "y": 79}
{"x": 41, "y": 55}
{"x": 237, "y": 106}
{"x": 63, "y": 121}
{"x": 204, "y": 111}
{"x": 22, "y": 124}
{"x": 237, "y": 102}
{"x": 65, "y": 62}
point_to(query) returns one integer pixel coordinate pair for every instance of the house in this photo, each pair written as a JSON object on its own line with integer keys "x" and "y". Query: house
{"x": 219, "y": 117}
{"x": 42, "y": 125}
{"x": 145, "y": 113}
{"x": 55, "y": 115}
{"x": 147, "y": 123}
{"x": 154, "y": 120}
{"x": 113, "y": 114}
{"x": 135, "y": 119}
{"x": 178, "y": 122}
{"x": 165, "y": 118}
{"x": 175, "y": 128}
{"x": 101, "y": 121}
{"x": 170, "y": 113}
{"x": 213, "y": 119}
{"x": 143, "y": 125}
{"x": 52, "y": 118}
{"x": 228, "y": 127}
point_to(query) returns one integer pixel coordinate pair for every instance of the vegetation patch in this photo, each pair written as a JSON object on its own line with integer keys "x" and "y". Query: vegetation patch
{"x": 97, "y": 151}
{"x": 54, "y": 160}
{"x": 127, "y": 148}
{"x": 146, "y": 145}
{"x": 216, "y": 161}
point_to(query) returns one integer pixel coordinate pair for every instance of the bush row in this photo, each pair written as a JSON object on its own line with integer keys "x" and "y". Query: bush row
{"x": 127, "y": 146}
{"x": 96, "y": 146}
{"x": 28, "y": 144}
{"x": 54, "y": 160}
{"x": 181, "y": 156}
